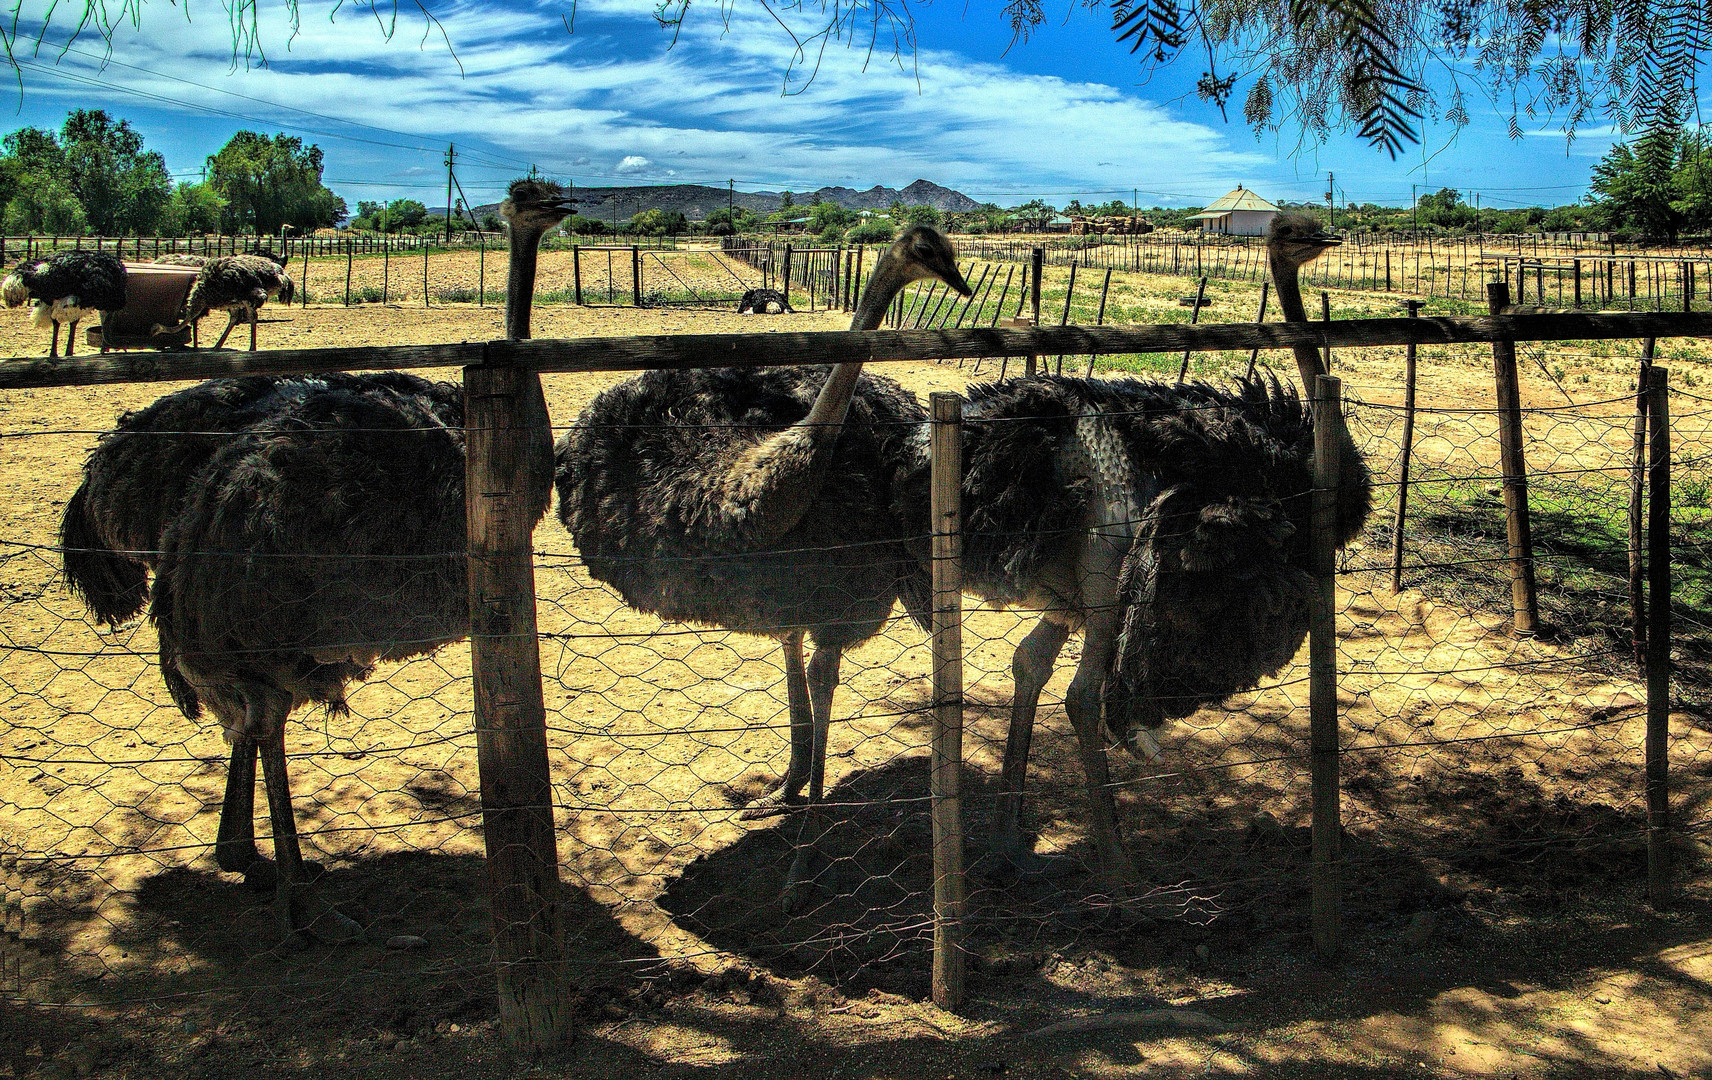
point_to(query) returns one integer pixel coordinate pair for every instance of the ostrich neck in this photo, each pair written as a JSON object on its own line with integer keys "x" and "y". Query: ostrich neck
{"x": 833, "y": 401}
{"x": 1286, "y": 278}
{"x": 520, "y": 283}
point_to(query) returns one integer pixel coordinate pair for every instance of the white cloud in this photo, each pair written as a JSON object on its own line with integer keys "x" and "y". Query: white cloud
{"x": 712, "y": 105}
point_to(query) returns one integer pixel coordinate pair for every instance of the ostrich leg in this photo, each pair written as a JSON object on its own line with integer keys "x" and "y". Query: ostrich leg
{"x": 235, "y": 846}
{"x": 71, "y": 338}
{"x": 809, "y": 865}
{"x": 1031, "y": 669}
{"x": 252, "y": 329}
{"x": 1100, "y": 600}
{"x": 53, "y": 345}
{"x": 232, "y": 318}
{"x": 329, "y": 925}
{"x": 789, "y": 789}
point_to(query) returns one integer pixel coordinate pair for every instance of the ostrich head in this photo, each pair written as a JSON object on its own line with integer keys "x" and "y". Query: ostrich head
{"x": 15, "y": 290}
{"x": 1298, "y": 238}
{"x": 922, "y": 254}
{"x": 535, "y": 205}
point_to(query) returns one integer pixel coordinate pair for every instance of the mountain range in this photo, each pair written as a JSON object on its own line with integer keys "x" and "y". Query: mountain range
{"x": 696, "y": 201}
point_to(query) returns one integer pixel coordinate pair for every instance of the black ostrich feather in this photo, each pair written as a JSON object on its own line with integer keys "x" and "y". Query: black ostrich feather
{"x": 86, "y": 279}
{"x": 634, "y": 490}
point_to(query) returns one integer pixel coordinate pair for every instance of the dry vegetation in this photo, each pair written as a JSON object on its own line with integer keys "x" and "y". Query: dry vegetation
{"x": 1494, "y": 916}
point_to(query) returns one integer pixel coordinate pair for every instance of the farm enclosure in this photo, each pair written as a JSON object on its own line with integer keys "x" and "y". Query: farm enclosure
{"x": 1490, "y": 787}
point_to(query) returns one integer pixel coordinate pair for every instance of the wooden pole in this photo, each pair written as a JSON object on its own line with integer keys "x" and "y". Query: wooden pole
{"x": 946, "y": 782}
{"x": 1403, "y": 466}
{"x": 481, "y": 270}
{"x": 535, "y": 1005}
{"x": 1637, "y": 487}
{"x": 577, "y": 272}
{"x": 1064, "y": 320}
{"x": 1037, "y": 261}
{"x": 348, "y": 249}
{"x": 1523, "y": 598}
{"x": 425, "y": 271}
{"x": 1322, "y": 673}
{"x": 1658, "y": 642}
{"x": 1194, "y": 317}
{"x": 385, "y": 266}
{"x": 785, "y": 290}
{"x": 1326, "y": 317}
{"x": 1259, "y": 317}
{"x": 636, "y": 274}
{"x": 1100, "y": 319}
{"x": 1577, "y": 282}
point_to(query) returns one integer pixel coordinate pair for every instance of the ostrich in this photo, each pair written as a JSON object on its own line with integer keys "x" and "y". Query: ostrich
{"x": 1168, "y": 523}
{"x": 763, "y": 302}
{"x": 1294, "y": 240}
{"x": 238, "y": 285}
{"x": 758, "y": 500}
{"x": 180, "y": 258}
{"x": 318, "y": 541}
{"x": 66, "y": 286}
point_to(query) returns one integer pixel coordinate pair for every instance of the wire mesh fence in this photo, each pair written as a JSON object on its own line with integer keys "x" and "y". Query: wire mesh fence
{"x": 1492, "y": 783}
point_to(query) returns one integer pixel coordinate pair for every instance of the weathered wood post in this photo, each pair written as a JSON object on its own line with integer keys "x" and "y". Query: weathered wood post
{"x": 1577, "y": 283}
{"x": 1064, "y": 320}
{"x": 1403, "y": 465}
{"x": 385, "y": 266}
{"x": 510, "y": 718}
{"x": 785, "y": 291}
{"x": 1322, "y": 672}
{"x": 1658, "y": 641}
{"x": 1259, "y": 317}
{"x": 1637, "y": 488}
{"x": 1194, "y": 317}
{"x": 348, "y": 255}
{"x": 946, "y": 496}
{"x": 481, "y": 269}
{"x": 1100, "y": 318}
{"x": 1326, "y": 316}
{"x": 577, "y": 273}
{"x": 1513, "y": 463}
{"x": 1037, "y": 262}
{"x": 424, "y": 274}
{"x": 636, "y": 274}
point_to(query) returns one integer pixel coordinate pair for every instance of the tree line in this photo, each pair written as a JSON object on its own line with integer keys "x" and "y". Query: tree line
{"x": 94, "y": 175}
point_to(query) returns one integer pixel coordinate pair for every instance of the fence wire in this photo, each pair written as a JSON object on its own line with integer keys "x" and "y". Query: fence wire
{"x": 1490, "y": 784}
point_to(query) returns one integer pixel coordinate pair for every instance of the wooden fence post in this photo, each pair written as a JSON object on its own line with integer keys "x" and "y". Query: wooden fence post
{"x": 1194, "y": 317}
{"x": 1658, "y": 640}
{"x": 577, "y": 272}
{"x": 1637, "y": 488}
{"x": 1513, "y": 462}
{"x": 424, "y": 275}
{"x": 1100, "y": 318}
{"x": 947, "y": 526}
{"x": 510, "y": 720}
{"x": 1064, "y": 320}
{"x": 1037, "y": 262}
{"x": 785, "y": 291}
{"x": 1326, "y": 316}
{"x": 385, "y": 267}
{"x": 348, "y": 248}
{"x": 481, "y": 270}
{"x": 1403, "y": 468}
{"x": 636, "y": 274}
{"x": 1322, "y": 673}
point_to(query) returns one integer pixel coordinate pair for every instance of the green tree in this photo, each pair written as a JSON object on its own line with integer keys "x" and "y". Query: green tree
{"x": 922, "y": 214}
{"x": 1035, "y": 214}
{"x": 193, "y": 209}
{"x": 269, "y": 182}
{"x": 658, "y": 222}
{"x": 786, "y": 200}
{"x": 1636, "y": 186}
{"x": 875, "y": 230}
{"x": 123, "y": 188}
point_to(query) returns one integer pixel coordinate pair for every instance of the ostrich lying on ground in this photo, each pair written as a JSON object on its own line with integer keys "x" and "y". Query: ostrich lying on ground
{"x": 238, "y": 285}
{"x": 757, "y": 500}
{"x": 1167, "y": 523}
{"x": 763, "y": 302}
{"x": 320, "y": 539}
{"x": 66, "y": 286}
{"x": 1186, "y": 566}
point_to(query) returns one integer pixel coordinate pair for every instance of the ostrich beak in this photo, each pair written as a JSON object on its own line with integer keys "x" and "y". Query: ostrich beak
{"x": 953, "y": 277}
{"x": 565, "y": 205}
{"x": 1326, "y": 239}
{"x": 1142, "y": 744}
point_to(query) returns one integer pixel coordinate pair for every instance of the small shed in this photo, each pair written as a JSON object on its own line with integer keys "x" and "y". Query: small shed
{"x": 1239, "y": 213}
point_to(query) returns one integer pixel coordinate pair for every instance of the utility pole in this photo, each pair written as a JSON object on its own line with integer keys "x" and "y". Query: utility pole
{"x": 1331, "y": 203}
{"x": 451, "y": 156}
{"x": 1134, "y": 200}
{"x": 1415, "y": 205}
{"x": 731, "y": 198}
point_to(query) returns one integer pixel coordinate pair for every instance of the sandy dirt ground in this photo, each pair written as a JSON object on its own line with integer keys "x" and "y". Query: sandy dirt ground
{"x": 1494, "y": 910}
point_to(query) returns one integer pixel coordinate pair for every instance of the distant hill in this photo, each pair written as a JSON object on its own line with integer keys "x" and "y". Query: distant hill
{"x": 615, "y": 204}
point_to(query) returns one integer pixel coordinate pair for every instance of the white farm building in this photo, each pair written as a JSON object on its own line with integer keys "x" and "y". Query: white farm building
{"x": 1240, "y": 213}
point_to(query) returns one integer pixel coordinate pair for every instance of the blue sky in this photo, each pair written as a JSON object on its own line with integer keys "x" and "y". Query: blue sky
{"x": 616, "y": 100}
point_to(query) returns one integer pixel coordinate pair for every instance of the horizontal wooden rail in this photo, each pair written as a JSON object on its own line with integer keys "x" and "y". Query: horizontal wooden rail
{"x": 835, "y": 346}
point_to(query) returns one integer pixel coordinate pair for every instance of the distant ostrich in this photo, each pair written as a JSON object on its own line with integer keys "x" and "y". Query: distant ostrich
{"x": 317, "y": 542}
{"x": 1168, "y": 523}
{"x": 238, "y": 285}
{"x": 66, "y": 286}
{"x": 763, "y": 302}
{"x": 756, "y": 499}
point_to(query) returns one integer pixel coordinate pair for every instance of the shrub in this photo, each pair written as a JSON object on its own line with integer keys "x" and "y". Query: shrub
{"x": 870, "y": 232}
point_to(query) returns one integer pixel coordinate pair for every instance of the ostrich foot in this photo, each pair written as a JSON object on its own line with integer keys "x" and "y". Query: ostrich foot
{"x": 333, "y": 927}
{"x": 781, "y": 800}
{"x": 809, "y": 870}
{"x": 262, "y": 875}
